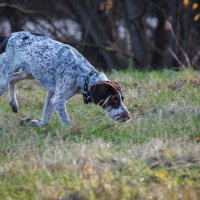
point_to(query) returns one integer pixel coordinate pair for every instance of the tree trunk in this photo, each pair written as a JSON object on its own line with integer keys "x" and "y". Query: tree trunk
{"x": 160, "y": 37}
{"x": 133, "y": 12}
{"x": 186, "y": 27}
{"x": 91, "y": 23}
{"x": 175, "y": 7}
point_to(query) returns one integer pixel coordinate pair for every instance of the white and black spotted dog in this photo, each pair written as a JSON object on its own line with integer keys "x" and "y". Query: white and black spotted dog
{"x": 62, "y": 70}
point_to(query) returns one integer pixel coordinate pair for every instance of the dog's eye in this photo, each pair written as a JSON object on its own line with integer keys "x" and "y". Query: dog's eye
{"x": 115, "y": 102}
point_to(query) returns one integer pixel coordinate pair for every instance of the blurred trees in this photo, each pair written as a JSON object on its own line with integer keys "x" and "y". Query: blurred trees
{"x": 114, "y": 34}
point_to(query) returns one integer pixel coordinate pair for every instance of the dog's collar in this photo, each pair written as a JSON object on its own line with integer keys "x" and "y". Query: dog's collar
{"x": 86, "y": 95}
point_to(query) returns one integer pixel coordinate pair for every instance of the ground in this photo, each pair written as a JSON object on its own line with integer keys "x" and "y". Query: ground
{"x": 153, "y": 156}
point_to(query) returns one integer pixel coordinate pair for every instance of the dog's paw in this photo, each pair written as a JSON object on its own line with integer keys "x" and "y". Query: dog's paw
{"x": 14, "y": 106}
{"x": 25, "y": 122}
{"x": 38, "y": 123}
{"x": 34, "y": 122}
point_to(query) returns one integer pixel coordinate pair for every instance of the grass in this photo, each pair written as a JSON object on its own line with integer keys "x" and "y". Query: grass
{"x": 153, "y": 156}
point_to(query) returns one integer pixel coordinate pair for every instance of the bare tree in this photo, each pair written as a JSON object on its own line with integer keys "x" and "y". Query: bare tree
{"x": 111, "y": 33}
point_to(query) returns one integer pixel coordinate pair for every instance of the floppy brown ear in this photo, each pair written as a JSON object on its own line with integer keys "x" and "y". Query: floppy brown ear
{"x": 116, "y": 85}
{"x": 98, "y": 91}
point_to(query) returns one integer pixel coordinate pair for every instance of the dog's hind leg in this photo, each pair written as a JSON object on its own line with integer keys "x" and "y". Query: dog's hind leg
{"x": 5, "y": 72}
{"x": 16, "y": 77}
{"x": 47, "y": 110}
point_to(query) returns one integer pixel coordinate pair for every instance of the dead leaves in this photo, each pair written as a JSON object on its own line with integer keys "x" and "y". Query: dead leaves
{"x": 178, "y": 85}
{"x": 195, "y": 81}
{"x": 197, "y": 137}
{"x": 161, "y": 175}
{"x": 137, "y": 110}
{"x": 106, "y": 5}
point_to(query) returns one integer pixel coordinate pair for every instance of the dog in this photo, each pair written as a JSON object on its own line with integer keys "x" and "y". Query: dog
{"x": 59, "y": 68}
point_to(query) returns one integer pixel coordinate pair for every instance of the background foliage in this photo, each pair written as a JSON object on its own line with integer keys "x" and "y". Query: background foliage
{"x": 114, "y": 34}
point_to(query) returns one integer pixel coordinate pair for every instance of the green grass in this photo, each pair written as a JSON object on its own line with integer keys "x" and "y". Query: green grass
{"x": 153, "y": 156}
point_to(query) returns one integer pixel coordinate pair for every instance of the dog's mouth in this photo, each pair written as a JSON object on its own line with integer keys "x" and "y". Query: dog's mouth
{"x": 123, "y": 117}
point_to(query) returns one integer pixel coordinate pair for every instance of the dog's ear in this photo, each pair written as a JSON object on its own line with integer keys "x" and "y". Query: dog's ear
{"x": 116, "y": 85}
{"x": 99, "y": 91}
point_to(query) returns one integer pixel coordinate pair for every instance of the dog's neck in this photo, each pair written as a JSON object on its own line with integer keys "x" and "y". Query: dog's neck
{"x": 92, "y": 79}
{"x": 96, "y": 78}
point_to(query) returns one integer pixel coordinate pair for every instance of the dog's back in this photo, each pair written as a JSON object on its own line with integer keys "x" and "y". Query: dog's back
{"x": 47, "y": 60}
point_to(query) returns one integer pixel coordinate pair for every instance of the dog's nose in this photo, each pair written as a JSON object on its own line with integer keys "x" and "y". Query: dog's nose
{"x": 126, "y": 115}
{"x": 123, "y": 117}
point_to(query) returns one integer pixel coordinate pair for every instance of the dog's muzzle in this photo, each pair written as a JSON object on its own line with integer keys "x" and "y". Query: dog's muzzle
{"x": 123, "y": 117}
{"x": 120, "y": 114}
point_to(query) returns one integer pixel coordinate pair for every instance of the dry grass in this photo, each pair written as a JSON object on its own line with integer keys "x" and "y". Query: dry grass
{"x": 153, "y": 156}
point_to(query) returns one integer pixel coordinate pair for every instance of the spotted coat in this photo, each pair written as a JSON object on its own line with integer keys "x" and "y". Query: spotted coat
{"x": 58, "y": 67}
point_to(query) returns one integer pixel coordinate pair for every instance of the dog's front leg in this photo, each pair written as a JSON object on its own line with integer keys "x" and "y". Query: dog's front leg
{"x": 60, "y": 109}
{"x": 47, "y": 110}
{"x": 58, "y": 102}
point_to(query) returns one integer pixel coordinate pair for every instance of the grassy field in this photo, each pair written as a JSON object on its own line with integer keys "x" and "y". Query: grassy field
{"x": 156, "y": 155}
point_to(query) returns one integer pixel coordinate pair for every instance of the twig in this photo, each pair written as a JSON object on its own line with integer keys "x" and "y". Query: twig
{"x": 179, "y": 46}
{"x": 196, "y": 57}
{"x": 21, "y": 9}
{"x": 175, "y": 57}
{"x": 106, "y": 48}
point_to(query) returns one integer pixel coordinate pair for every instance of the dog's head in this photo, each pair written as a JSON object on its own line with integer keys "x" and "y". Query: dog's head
{"x": 108, "y": 95}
